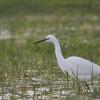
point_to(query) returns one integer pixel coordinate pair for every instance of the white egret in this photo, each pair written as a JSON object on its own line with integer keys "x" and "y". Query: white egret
{"x": 75, "y": 66}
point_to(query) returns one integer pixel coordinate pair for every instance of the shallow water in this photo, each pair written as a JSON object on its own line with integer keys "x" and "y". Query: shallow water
{"x": 39, "y": 88}
{"x": 30, "y": 72}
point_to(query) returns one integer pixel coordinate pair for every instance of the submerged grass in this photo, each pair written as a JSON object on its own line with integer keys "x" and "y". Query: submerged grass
{"x": 24, "y": 66}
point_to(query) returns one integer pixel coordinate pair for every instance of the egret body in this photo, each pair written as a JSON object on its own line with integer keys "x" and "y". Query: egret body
{"x": 75, "y": 66}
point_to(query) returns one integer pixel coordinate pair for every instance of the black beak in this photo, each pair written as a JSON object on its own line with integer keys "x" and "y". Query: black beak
{"x": 41, "y": 40}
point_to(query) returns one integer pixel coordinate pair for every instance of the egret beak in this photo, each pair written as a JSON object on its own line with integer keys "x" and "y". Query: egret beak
{"x": 41, "y": 40}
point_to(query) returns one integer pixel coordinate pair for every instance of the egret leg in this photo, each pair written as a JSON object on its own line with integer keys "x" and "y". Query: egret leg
{"x": 67, "y": 79}
{"x": 85, "y": 85}
{"x": 66, "y": 75}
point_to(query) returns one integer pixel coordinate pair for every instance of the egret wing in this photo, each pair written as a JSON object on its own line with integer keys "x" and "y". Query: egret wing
{"x": 82, "y": 66}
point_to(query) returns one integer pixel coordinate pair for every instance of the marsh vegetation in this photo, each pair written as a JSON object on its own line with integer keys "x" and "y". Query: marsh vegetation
{"x": 29, "y": 72}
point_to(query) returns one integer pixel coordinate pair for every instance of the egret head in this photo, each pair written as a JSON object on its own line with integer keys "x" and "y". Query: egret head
{"x": 49, "y": 39}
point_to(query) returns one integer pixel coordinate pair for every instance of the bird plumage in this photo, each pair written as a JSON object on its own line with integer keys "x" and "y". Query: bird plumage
{"x": 76, "y": 67}
{"x": 82, "y": 68}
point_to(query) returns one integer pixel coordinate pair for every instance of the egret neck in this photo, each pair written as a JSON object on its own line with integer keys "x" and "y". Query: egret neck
{"x": 59, "y": 56}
